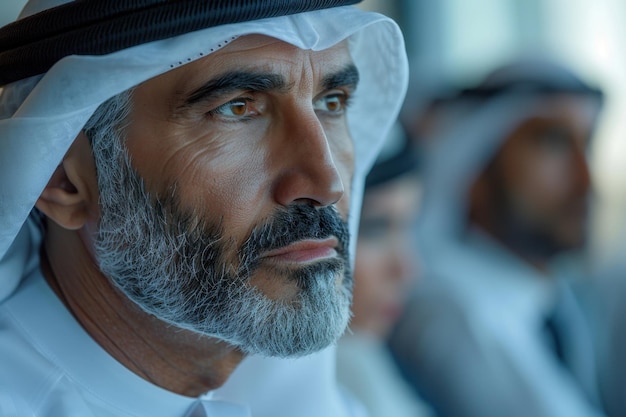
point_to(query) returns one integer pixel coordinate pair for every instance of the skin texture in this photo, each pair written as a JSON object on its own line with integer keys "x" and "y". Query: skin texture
{"x": 232, "y": 158}
{"x": 299, "y": 163}
{"x": 534, "y": 196}
{"x": 385, "y": 257}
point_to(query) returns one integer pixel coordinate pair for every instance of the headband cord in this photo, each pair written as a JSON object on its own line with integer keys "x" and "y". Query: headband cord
{"x": 32, "y": 45}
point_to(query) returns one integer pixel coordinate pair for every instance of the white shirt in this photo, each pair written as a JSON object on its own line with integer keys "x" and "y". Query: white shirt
{"x": 365, "y": 367}
{"x": 291, "y": 387}
{"x": 50, "y": 367}
{"x": 473, "y": 338}
{"x": 608, "y": 297}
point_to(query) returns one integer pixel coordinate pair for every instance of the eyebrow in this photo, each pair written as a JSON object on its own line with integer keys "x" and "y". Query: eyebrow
{"x": 346, "y": 77}
{"x": 262, "y": 81}
{"x": 236, "y": 81}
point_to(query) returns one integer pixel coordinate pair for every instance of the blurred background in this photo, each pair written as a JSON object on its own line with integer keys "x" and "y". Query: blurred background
{"x": 457, "y": 41}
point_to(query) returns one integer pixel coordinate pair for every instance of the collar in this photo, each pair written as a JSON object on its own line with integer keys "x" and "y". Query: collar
{"x": 492, "y": 281}
{"x": 43, "y": 318}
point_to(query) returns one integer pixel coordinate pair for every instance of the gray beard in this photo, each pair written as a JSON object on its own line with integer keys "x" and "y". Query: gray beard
{"x": 174, "y": 266}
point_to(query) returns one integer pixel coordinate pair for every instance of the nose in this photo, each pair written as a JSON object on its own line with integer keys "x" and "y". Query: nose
{"x": 308, "y": 173}
{"x": 581, "y": 170}
{"x": 401, "y": 262}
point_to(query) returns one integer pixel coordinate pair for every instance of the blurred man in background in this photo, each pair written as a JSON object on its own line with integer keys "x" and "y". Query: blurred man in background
{"x": 496, "y": 329}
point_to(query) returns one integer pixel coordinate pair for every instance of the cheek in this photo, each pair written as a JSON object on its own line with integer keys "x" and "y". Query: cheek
{"x": 232, "y": 183}
{"x": 551, "y": 171}
{"x": 343, "y": 156}
{"x": 372, "y": 291}
{"x": 533, "y": 176}
{"x": 218, "y": 178}
{"x": 546, "y": 181}
{"x": 365, "y": 301}
{"x": 368, "y": 274}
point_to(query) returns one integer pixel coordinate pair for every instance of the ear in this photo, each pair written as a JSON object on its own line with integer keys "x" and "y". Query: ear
{"x": 71, "y": 197}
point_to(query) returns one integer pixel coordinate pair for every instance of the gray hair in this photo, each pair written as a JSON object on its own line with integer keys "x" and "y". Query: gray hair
{"x": 110, "y": 117}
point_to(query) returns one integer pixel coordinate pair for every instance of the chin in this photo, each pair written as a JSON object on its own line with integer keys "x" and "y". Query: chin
{"x": 287, "y": 282}
{"x": 275, "y": 285}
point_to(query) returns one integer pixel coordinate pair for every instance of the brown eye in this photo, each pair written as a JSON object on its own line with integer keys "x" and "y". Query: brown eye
{"x": 332, "y": 103}
{"x": 235, "y": 109}
{"x": 238, "y": 108}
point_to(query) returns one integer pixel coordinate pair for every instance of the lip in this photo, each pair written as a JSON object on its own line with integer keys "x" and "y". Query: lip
{"x": 304, "y": 251}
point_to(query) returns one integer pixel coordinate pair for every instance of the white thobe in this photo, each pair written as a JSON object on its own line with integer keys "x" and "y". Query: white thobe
{"x": 365, "y": 367}
{"x": 50, "y": 367}
{"x": 473, "y": 338}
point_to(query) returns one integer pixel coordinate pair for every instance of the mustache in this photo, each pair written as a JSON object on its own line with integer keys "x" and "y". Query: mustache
{"x": 297, "y": 222}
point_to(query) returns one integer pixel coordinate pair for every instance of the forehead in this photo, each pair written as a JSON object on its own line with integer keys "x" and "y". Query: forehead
{"x": 257, "y": 53}
{"x": 575, "y": 114}
{"x": 578, "y": 111}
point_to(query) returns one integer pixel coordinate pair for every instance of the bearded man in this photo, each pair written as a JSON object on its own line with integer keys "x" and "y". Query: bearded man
{"x": 496, "y": 326}
{"x": 177, "y": 187}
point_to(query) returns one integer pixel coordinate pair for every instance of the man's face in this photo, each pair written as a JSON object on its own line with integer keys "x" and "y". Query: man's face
{"x": 241, "y": 233}
{"x": 539, "y": 182}
{"x": 385, "y": 255}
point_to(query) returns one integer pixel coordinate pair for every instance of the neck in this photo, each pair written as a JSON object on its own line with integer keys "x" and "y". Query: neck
{"x": 178, "y": 360}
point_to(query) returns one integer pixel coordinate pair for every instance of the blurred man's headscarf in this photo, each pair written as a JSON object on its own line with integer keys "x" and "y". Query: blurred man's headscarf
{"x": 470, "y": 127}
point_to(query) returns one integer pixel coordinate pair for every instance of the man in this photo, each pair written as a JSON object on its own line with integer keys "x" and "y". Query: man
{"x": 186, "y": 173}
{"x": 495, "y": 328}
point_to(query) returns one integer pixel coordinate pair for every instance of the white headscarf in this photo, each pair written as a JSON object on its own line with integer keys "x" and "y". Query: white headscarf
{"x": 35, "y": 138}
